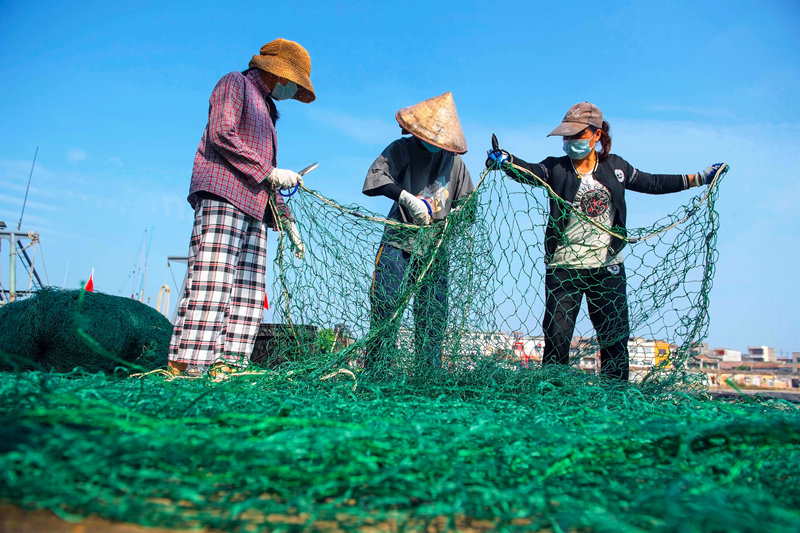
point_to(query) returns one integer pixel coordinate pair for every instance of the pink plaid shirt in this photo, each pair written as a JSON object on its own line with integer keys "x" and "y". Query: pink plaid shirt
{"x": 238, "y": 147}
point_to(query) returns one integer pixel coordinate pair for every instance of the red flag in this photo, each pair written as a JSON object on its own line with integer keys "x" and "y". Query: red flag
{"x": 90, "y": 284}
{"x": 266, "y": 303}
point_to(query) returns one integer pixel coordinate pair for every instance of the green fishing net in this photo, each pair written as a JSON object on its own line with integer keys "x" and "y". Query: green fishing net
{"x": 60, "y": 330}
{"x": 443, "y": 421}
{"x": 485, "y": 262}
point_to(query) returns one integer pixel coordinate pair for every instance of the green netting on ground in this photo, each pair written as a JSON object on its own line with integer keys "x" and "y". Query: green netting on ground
{"x": 273, "y": 453}
{"x": 353, "y": 425}
{"x": 60, "y": 330}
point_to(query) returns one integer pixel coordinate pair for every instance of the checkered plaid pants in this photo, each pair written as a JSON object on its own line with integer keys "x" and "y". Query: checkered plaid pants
{"x": 219, "y": 312}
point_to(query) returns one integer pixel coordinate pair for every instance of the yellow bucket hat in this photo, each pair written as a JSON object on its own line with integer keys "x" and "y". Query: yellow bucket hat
{"x": 288, "y": 60}
{"x": 435, "y": 121}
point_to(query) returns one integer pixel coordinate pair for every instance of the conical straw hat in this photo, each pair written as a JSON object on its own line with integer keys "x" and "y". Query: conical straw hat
{"x": 435, "y": 121}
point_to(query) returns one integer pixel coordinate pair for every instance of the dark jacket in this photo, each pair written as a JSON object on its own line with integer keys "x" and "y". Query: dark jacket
{"x": 615, "y": 173}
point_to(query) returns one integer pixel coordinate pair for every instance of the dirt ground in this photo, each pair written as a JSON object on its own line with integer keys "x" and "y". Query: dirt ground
{"x": 17, "y": 520}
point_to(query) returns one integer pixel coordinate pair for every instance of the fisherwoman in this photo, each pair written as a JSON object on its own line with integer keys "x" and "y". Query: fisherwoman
{"x": 426, "y": 178}
{"x": 233, "y": 194}
{"x": 586, "y": 229}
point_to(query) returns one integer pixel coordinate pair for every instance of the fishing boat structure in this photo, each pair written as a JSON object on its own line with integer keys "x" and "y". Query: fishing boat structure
{"x": 20, "y": 243}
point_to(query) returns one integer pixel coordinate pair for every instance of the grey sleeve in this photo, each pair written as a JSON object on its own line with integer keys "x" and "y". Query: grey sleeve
{"x": 465, "y": 185}
{"x": 386, "y": 169}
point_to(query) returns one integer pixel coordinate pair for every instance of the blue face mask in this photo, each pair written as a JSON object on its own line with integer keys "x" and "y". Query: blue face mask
{"x": 284, "y": 92}
{"x": 430, "y": 147}
{"x": 577, "y": 148}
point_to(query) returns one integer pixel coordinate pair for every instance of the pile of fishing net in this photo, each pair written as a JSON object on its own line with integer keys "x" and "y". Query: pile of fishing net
{"x": 319, "y": 440}
{"x": 60, "y": 330}
{"x": 552, "y": 451}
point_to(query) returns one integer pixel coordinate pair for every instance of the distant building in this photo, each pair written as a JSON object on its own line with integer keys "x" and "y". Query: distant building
{"x": 764, "y": 354}
{"x": 527, "y": 349}
{"x": 646, "y": 353}
{"x": 753, "y": 380}
{"x": 726, "y": 354}
{"x": 704, "y": 362}
{"x": 344, "y": 337}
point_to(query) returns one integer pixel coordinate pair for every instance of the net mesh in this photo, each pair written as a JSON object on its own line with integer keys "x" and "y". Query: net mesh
{"x": 470, "y": 291}
{"x": 387, "y": 421}
{"x": 60, "y": 330}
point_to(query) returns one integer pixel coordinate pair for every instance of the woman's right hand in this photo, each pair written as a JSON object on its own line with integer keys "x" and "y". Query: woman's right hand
{"x": 497, "y": 157}
{"x": 282, "y": 178}
{"x": 419, "y": 208}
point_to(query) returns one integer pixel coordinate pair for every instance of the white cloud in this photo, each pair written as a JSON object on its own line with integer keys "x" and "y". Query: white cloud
{"x": 76, "y": 155}
{"x": 18, "y": 200}
{"x": 366, "y": 131}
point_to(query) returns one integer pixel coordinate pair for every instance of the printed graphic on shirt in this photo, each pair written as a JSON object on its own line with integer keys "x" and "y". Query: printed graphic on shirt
{"x": 583, "y": 244}
{"x": 619, "y": 174}
{"x": 593, "y": 200}
{"x": 437, "y": 194}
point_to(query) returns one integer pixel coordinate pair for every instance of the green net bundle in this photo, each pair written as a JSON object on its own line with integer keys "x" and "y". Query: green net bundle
{"x": 60, "y": 330}
{"x": 443, "y": 421}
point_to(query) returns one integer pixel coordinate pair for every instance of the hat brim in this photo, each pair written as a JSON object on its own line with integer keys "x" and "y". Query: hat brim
{"x": 457, "y": 146}
{"x": 436, "y": 122}
{"x": 566, "y": 129}
{"x": 285, "y": 69}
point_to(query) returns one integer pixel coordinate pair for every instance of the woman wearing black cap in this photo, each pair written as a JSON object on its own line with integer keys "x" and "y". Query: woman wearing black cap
{"x": 586, "y": 232}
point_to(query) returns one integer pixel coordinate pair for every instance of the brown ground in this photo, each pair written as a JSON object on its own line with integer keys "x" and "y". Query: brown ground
{"x": 16, "y": 520}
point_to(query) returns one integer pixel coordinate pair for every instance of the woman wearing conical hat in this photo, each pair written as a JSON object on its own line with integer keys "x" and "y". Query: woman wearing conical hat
{"x": 234, "y": 181}
{"x": 426, "y": 177}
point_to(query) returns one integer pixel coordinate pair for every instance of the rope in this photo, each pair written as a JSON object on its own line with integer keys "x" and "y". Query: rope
{"x": 608, "y": 230}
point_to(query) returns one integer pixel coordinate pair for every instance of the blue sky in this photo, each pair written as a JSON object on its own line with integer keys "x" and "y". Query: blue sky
{"x": 116, "y": 99}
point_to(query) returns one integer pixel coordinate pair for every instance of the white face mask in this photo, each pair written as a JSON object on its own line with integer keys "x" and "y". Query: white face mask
{"x": 284, "y": 92}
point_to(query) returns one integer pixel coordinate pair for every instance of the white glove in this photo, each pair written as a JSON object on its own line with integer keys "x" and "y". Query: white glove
{"x": 297, "y": 241}
{"x": 420, "y": 209}
{"x": 282, "y": 178}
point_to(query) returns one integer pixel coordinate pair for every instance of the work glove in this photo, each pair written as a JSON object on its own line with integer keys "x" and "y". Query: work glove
{"x": 297, "y": 241}
{"x": 282, "y": 178}
{"x": 498, "y": 157}
{"x": 704, "y": 177}
{"x": 420, "y": 209}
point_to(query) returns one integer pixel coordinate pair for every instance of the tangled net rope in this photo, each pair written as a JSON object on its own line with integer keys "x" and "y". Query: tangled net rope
{"x": 486, "y": 262}
{"x": 487, "y": 442}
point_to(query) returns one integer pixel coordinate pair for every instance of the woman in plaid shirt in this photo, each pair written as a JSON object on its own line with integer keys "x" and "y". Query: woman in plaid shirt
{"x": 234, "y": 180}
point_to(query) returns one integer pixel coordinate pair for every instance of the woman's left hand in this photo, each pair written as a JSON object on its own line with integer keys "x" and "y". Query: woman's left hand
{"x": 707, "y": 175}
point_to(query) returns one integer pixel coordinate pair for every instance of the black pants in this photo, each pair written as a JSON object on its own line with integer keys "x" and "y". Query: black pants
{"x": 605, "y": 290}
